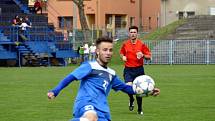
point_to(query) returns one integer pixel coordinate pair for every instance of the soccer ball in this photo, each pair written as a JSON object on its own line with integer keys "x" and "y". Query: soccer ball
{"x": 145, "y": 83}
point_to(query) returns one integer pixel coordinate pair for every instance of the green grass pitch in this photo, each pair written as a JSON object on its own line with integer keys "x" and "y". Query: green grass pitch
{"x": 187, "y": 94}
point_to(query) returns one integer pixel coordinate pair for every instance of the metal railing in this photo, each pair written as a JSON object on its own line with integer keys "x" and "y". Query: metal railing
{"x": 163, "y": 51}
{"x": 182, "y": 51}
{"x": 33, "y": 33}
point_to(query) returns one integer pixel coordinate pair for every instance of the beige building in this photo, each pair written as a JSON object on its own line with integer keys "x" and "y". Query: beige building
{"x": 172, "y": 10}
{"x": 106, "y": 14}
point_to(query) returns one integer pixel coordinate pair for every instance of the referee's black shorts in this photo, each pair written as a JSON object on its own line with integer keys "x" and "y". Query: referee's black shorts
{"x": 130, "y": 73}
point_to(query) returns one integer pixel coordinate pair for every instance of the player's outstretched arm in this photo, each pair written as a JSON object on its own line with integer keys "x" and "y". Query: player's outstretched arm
{"x": 65, "y": 82}
{"x": 117, "y": 84}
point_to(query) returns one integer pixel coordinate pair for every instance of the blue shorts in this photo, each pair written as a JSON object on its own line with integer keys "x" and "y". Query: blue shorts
{"x": 130, "y": 73}
{"x": 102, "y": 116}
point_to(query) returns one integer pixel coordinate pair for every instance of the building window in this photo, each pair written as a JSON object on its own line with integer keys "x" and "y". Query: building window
{"x": 185, "y": 14}
{"x": 131, "y": 21}
{"x": 190, "y": 13}
{"x": 180, "y": 15}
{"x": 108, "y": 19}
{"x": 118, "y": 21}
{"x": 150, "y": 27}
{"x": 65, "y": 22}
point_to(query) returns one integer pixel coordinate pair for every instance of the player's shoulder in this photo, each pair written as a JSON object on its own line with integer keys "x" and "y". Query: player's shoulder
{"x": 140, "y": 42}
{"x": 126, "y": 43}
{"x": 93, "y": 63}
{"x": 84, "y": 65}
{"x": 111, "y": 71}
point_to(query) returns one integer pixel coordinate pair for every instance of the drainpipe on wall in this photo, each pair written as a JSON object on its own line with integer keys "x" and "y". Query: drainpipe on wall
{"x": 74, "y": 24}
{"x": 140, "y": 16}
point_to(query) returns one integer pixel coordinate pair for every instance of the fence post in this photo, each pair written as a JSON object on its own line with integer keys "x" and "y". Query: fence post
{"x": 19, "y": 54}
{"x": 170, "y": 52}
{"x": 207, "y": 52}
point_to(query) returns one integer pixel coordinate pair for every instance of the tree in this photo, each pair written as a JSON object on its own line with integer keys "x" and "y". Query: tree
{"x": 83, "y": 20}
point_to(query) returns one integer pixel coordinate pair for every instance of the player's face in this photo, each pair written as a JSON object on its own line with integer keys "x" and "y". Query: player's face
{"x": 104, "y": 52}
{"x": 133, "y": 34}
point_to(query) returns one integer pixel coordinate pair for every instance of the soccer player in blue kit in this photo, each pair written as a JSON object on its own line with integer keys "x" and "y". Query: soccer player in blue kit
{"x": 96, "y": 81}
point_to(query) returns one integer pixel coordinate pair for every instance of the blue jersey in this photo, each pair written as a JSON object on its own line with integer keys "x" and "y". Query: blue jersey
{"x": 95, "y": 85}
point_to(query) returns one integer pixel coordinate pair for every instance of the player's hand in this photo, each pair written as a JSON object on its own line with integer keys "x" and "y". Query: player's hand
{"x": 50, "y": 95}
{"x": 156, "y": 92}
{"x": 124, "y": 58}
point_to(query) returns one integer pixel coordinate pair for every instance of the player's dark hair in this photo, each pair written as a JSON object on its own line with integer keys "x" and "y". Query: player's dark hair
{"x": 133, "y": 27}
{"x": 103, "y": 39}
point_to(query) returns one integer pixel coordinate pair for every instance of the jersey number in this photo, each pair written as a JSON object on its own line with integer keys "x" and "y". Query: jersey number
{"x": 105, "y": 84}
